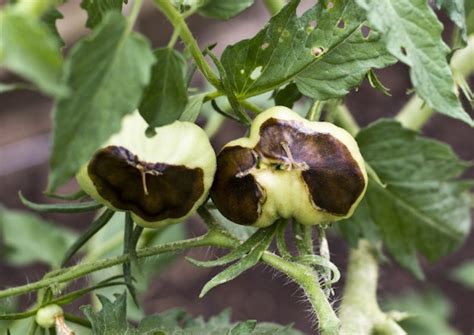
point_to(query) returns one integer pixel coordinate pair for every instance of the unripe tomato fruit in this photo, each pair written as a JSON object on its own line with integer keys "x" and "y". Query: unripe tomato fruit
{"x": 46, "y": 316}
{"x": 289, "y": 167}
{"x": 161, "y": 179}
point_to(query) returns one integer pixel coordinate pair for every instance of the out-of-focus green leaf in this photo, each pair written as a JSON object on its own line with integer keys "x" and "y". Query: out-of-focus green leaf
{"x": 111, "y": 320}
{"x": 224, "y": 9}
{"x": 97, "y": 9}
{"x": 28, "y": 48}
{"x": 107, "y": 71}
{"x": 324, "y": 51}
{"x": 193, "y": 108}
{"x": 422, "y": 208}
{"x": 429, "y": 313}
{"x": 27, "y": 239}
{"x": 412, "y": 33}
{"x": 50, "y": 18}
{"x": 287, "y": 96}
{"x": 465, "y": 274}
{"x": 165, "y": 98}
{"x": 456, "y": 12}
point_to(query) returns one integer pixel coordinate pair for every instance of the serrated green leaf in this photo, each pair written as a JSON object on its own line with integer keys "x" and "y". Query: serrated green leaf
{"x": 97, "y": 9}
{"x": 422, "y": 208}
{"x": 107, "y": 71}
{"x": 456, "y": 12}
{"x": 464, "y": 274}
{"x": 165, "y": 98}
{"x": 224, "y": 9}
{"x": 50, "y": 18}
{"x": 323, "y": 65}
{"x": 429, "y": 312}
{"x": 412, "y": 33}
{"x": 28, "y": 48}
{"x": 287, "y": 96}
{"x": 111, "y": 319}
{"x": 244, "y": 328}
{"x": 246, "y": 262}
{"x": 27, "y": 238}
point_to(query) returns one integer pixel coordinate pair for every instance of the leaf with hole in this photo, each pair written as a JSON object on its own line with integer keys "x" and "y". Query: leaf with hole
{"x": 323, "y": 65}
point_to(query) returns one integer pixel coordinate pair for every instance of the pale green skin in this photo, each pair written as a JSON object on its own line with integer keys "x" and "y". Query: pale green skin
{"x": 46, "y": 316}
{"x": 179, "y": 143}
{"x": 286, "y": 193}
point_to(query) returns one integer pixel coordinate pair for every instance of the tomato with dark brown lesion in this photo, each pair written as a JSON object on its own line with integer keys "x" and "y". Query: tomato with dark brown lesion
{"x": 160, "y": 180}
{"x": 289, "y": 167}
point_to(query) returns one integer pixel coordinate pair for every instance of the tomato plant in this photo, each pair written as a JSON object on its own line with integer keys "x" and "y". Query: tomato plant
{"x": 134, "y": 131}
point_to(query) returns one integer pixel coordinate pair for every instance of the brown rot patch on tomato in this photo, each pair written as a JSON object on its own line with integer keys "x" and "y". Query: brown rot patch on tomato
{"x": 153, "y": 191}
{"x": 333, "y": 177}
{"x": 235, "y": 191}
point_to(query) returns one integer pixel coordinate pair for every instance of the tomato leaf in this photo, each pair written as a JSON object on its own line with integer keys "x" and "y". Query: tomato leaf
{"x": 27, "y": 238}
{"x": 111, "y": 319}
{"x": 107, "y": 71}
{"x": 423, "y": 208}
{"x": 165, "y": 98}
{"x": 96, "y": 10}
{"x": 50, "y": 18}
{"x": 464, "y": 274}
{"x": 412, "y": 33}
{"x": 224, "y": 9}
{"x": 28, "y": 48}
{"x": 323, "y": 65}
{"x": 456, "y": 12}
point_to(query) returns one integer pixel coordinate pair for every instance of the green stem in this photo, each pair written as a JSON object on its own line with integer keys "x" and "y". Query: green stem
{"x": 212, "y": 238}
{"x": 360, "y": 312}
{"x": 416, "y": 113}
{"x": 132, "y": 18}
{"x": 344, "y": 118}
{"x": 173, "y": 39}
{"x": 314, "y": 113}
{"x": 251, "y": 107}
{"x": 179, "y": 24}
{"x": 274, "y": 6}
{"x": 306, "y": 278}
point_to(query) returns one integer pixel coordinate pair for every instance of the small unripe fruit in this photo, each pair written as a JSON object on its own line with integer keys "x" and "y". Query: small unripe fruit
{"x": 46, "y": 316}
{"x": 161, "y": 179}
{"x": 289, "y": 167}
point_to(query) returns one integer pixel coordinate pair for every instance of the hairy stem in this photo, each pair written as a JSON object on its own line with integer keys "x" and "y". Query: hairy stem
{"x": 360, "y": 312}
{"x": 187, "y": 37}
{"x": 416, "y": 113}
{"x": 307, "y": 279}
{"x": 213, "y": 238}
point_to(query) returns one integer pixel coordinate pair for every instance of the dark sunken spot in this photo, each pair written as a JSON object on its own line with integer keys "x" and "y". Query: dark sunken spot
{"x": 334, "y": 179}
{"x": 172, "y": 189}
{"x": 234, "y": 192}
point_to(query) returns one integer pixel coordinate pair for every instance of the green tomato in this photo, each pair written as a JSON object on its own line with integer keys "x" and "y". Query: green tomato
{"x": 289, "y": 167}
{"x": 46, "y": 316}
{"x": 161, "y": 179}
